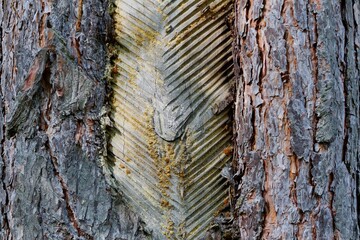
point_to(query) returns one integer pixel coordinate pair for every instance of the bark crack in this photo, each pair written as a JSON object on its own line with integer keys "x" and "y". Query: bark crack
{"x": 313, "y": 41}
{"x": 65, "y": 190}
{"x": 343, "y": 69}
{"x": 42, "y": 25}
{"x": 356, "y": 27}
{"x": 79, "y": 16}
{"x": 6, "y": 225}
{"x": 75, "y": 40}
{"x": 4, "y": 215}
{"x": 314, "y": 61}
{"x": 315, "y": 70}
{"x": 44, "y": 125}
{"x": 331, "y": 200}
{"x": 350, "y": 110}
{"x": 270, "y": 213}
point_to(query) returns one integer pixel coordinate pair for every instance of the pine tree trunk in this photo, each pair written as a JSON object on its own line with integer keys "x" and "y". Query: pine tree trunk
{"x": 297, "y": 119}
{"x": 296, "y": 122}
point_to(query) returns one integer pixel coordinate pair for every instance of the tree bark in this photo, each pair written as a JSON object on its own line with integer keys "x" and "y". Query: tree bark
{"x": 53, "y": 91}
{"x": 297, "y": 119}
{"x": 296, "y": 122}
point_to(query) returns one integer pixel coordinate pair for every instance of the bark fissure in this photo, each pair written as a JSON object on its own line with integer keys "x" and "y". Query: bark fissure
{"x": 4, "y": 205}
{"x": 357, "y": 64}
{"x": 79, "y": 16}
{"x": 343, "y": 69}
{"x": 4, "y": 210}
{"x": 313, "y": 41}
{"x": 350, "y": 75}
{"x": 314, "y": 60}
{"x": 331, "y": 199}
{"x": 66, "y": 194}
{"x": 75, "y": 38}
{"x": 259, "y": 25}
{"x": 42, "y": 25}
{"x": 356, "y": 36}
{"x": 45, "y": 121}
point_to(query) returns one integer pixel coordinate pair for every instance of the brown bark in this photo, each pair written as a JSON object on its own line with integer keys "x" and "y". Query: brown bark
{"x": 297, "y": 119}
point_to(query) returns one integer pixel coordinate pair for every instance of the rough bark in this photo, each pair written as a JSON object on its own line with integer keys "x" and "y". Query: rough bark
{"x": 297, "y": 119}
{"x": 52, "y": 88}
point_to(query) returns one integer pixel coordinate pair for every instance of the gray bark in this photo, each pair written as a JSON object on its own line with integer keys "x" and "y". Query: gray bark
{"x": 297, "y": 119}
{"x": 53, "y": 91}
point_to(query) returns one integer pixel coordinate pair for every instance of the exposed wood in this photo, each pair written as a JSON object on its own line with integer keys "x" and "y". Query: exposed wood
{"x": 171, "y": 112}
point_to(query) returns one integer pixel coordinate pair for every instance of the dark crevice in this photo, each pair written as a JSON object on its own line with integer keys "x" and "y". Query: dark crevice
{"x": 252, "y": 140}
{"x": 259, "y": 25}
{"x": 357, "y": 177}
{"x": 75, "y": 39}
{"x": 313, "y": 41}
{"x": 315, "y": 72}
{"x": 331, "y": 200}
{"x": 5, "y": 226}
{"x": 313, "y": 47}
{"x": 356, "y": 27}
{"x": 79, "y": 16}
{"x": 350, "y": 26}
{"x": 282, "y": 10}
{"x": 343, "y": 69}
{"x": 247, "y": 7}
{"x": 238, "y": 165}
{"x": 357, "y": 69}
{"x": 357, "y": 64}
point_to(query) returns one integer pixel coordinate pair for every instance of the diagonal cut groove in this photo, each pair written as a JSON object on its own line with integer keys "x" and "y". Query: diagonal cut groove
{"x": 170, "y": 112}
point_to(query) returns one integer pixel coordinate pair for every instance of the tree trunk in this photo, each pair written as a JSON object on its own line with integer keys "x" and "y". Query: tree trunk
{"x": 53, "y": 91}
{"x": 296, "y": 122}
{"x": 297, "y": 119}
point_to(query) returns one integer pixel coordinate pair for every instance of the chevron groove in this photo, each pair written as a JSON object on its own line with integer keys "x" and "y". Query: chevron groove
{"x": 185, "y": 48}
{"x": 178, "y": 74}
{"x": 174, "y": 64}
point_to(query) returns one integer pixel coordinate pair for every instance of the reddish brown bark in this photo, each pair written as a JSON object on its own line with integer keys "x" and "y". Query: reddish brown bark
{"x": 297, "y": 127}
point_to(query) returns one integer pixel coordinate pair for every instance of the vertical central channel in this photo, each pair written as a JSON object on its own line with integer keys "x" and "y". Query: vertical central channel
{"x": 171, "y": 110}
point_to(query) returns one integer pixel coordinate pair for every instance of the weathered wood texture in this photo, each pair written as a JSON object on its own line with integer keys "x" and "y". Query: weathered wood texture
{"x": 297, "y": 118}
{"x": 52, "y": 89}
{"x": 171, "y": 112}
